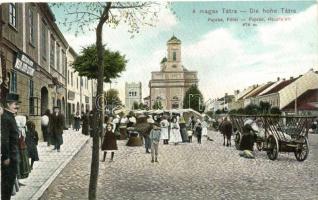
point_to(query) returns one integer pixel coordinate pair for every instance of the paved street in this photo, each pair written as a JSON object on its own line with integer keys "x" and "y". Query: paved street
{"x": 191, "y": 171}
{"x": 50, "y": 165}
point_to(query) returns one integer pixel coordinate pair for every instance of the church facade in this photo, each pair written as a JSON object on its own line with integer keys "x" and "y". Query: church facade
{"x": 169, "y": 85}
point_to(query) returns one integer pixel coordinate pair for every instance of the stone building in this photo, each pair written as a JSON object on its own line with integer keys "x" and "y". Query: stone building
{"x": 170, "y": 84}
{"x": 133, "y": 94}
{"x": 79, "y": 90}
{"x": 33, "y": 57}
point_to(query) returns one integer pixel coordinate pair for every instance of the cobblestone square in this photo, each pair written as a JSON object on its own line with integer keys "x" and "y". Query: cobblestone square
{"x": 191, "y": 171}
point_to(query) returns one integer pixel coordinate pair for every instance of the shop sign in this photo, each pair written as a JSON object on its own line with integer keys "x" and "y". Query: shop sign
{"x": 25, "y": 64}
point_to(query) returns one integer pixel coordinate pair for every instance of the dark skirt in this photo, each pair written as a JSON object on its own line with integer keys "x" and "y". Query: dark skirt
{"x": 32, "y": 148}
{"x": 147, "y": 142}
{"x": 184, "y": 135}
{"x": 57, "y": 139}
{"x": 109, "y": 142}
{"x": 77, "y": 123}
{"x": 24, "y": 164}
{"x": 45, "y": 131}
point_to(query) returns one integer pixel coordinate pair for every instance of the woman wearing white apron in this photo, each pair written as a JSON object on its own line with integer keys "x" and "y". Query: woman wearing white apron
{"x": 164, "y": 124}
{"x": 175, "y": 135}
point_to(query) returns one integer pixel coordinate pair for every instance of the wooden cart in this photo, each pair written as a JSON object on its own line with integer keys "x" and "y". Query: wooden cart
{"x": 280, "y": 133}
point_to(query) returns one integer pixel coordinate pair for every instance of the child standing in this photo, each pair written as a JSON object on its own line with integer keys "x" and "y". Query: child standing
{"x": 199, "y": 132}
{"x": 109, "y": 142}
{"x": 31, "y": 140}
{"x": 155, "y": 138}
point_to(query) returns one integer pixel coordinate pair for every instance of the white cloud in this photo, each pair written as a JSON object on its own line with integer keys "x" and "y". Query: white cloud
{"x": 226, "y": 63}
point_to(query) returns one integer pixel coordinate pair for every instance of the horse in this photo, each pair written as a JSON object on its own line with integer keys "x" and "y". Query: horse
{"x": 226, "y": 130}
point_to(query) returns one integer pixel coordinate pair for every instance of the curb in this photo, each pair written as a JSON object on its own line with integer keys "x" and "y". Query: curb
{"x": 47, "y": 183}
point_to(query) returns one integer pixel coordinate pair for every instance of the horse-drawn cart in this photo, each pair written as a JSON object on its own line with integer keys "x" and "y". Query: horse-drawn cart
{"x": 275, "y": 133}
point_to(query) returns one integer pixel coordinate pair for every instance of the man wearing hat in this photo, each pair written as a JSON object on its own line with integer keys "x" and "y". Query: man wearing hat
{"x": 9, "y": 145}
{"x": 56, "y": 126}
{"x": 155, "y": 138}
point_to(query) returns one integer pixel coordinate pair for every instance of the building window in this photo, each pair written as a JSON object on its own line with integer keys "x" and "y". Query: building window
{"x": 13, "y": 14}
{"x": 13, "y": 82}
{"x": 31, "y": 99}
{"x": 31, "y": 25}
{"x": 58, "y": 57}
{"x": 43, "y": 40}
{"x": 174, "y": 56}
{"x": 77, "y": 83}
{"x": 52, "y": 52}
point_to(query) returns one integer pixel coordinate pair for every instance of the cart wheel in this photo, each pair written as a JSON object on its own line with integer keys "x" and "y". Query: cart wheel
{"x": 272, "y": 148}
{"x": 302, "y": 151}
{"x": 237, "y": 139}
{"x": 259, "y": 146}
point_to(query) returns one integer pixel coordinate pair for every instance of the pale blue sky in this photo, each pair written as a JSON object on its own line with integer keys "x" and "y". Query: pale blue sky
{"x": 227, "y": 56}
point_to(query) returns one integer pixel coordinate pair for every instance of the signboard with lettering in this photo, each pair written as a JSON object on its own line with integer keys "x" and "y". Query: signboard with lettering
{"x": 24, "y": 64}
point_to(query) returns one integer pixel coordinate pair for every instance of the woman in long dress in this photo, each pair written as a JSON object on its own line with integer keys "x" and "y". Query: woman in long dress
{"x": 31, "y": 140}
{"x": 164, "y": 125}
{"x": 24, "y": 164}
{"x": 183, "y": 129}
{"x": 175, "y": 135}
{"x": 77, "y": 122}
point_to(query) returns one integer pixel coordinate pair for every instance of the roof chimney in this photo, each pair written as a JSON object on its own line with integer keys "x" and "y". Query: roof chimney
{"x": 291, "y": 78}
{"x": 278, "y": 78}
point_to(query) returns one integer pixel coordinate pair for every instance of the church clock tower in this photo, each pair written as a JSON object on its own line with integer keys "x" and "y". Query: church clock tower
{"x": 174, "y": 54}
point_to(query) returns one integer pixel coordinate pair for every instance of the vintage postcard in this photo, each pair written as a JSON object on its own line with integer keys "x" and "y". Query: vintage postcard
{"x": 138, "y": 100}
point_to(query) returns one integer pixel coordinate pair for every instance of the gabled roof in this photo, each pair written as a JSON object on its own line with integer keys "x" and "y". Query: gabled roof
{"x": 258, "y": 90}
{"x": 306, "y": 101}
{"x": 280, "y": 86}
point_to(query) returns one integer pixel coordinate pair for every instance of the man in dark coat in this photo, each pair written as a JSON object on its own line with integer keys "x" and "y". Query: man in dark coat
{"x": 144, "y": 128}
{"x": 85, "y": 127}
{"x": 56, "y": 126}
{"x": 9, "y": 146}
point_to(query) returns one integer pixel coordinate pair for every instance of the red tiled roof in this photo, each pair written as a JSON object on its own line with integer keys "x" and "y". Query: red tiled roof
{"x": 306, "y": 101}
{"x": 255, "y": 92}
{"x": 280, "y": 86}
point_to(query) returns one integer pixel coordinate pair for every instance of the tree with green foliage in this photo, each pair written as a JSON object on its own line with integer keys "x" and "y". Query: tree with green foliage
{"x": 86, "y": 63}
{"x": 112, "y": 99}
{"x": 194, "y": 99}
{"x": 80, "y": 16}
{"x": 251, "y": 109}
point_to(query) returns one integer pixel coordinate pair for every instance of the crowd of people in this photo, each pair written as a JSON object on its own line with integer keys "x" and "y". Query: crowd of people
{"x": 150, "y": 130}
{"x": 19, "y": 140}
